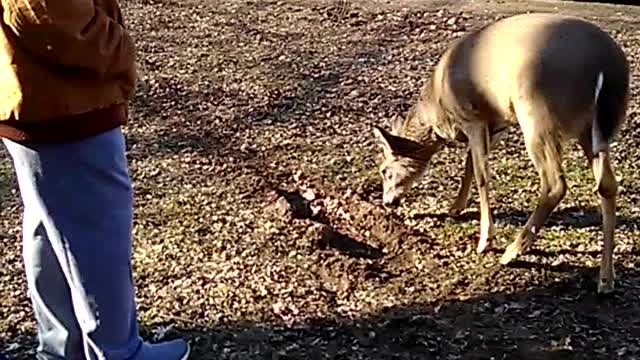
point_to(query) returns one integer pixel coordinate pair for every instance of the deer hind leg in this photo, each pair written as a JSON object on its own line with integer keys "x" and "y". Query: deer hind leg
{"x": 545, "y": 151}
{"x": 607, "y": 188}
{"x": 479, "y": 145}
{"x": 461, "y": 201}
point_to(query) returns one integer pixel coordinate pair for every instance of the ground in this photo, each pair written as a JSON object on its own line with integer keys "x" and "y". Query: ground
{"x": 258, "y": 227}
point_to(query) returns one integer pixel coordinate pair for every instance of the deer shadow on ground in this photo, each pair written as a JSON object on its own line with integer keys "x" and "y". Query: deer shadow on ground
{"x": 572, "y": 216}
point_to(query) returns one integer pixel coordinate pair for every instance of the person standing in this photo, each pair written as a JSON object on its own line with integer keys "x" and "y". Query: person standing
{"x": 67, "y": 72}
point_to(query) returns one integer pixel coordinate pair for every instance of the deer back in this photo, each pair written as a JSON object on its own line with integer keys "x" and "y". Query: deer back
{"x": 551, "y": 62}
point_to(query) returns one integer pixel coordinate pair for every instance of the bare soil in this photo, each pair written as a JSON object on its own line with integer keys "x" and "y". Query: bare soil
{"x": 259, "y": 232}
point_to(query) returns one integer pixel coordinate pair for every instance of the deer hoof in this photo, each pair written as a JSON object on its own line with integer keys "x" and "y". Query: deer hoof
{"x": 605, "y": 286}
{"x": 483, "y": 245}
{"x": 457, "y": 207}
{"x": 511, "y": 253}
{"x": 606, "y": 283}
{"x": 455, "y": 212}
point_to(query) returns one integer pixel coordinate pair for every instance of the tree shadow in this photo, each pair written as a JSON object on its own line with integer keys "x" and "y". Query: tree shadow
{"x": 618, "y": 2}
{"x": 260, "y": 80}
{"x": 214, "y": 128}
{"x": 560, "y": 320}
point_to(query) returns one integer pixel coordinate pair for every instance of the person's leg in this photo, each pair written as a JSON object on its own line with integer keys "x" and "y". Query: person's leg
{"x": 58, "y": 330}
{"x": 78, "y": 211}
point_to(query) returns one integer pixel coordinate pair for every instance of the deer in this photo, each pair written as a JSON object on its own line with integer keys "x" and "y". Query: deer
{"x": 559, "y": 77}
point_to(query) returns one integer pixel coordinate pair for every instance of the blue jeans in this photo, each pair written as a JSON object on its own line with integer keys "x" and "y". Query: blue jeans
{"x": 78, "y": 213}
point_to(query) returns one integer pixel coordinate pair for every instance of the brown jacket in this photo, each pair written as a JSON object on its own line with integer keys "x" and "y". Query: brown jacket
{"x": 67, "y": 69}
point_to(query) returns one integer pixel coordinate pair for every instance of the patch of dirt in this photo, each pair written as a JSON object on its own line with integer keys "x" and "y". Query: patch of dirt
{"x": 259, "y": 230}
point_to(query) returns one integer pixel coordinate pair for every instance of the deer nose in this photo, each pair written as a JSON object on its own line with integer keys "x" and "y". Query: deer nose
{"x": 393, "y": 202}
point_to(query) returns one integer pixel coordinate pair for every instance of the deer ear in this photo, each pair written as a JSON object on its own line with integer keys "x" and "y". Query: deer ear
{"x": 384, "y": 138}
{"x": 396, "y": 124}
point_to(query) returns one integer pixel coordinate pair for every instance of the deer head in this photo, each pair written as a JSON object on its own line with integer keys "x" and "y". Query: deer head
{"x": 405, "y": 162}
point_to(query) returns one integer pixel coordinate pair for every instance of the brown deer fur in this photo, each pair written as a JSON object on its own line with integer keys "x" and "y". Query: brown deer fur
{"x": 557, "y": 77}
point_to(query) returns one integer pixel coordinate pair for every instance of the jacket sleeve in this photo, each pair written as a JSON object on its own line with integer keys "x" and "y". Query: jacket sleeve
{"x": 72, "y": 33}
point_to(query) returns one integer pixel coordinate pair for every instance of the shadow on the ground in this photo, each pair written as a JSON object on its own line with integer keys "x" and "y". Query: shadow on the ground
{"x": 348, "y": 66}
{"x": 563, "y": 319}
{"x": 307, "y": 93}
{"x": 575, "y": 217}
{"x": 618, "y": 2}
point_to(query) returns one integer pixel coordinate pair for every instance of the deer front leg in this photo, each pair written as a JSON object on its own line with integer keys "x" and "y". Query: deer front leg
{"x": 462, "y": 199}
{"x": 479, "y": 146}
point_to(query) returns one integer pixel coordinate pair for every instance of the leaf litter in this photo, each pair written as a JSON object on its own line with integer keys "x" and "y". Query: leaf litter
{"x": 259, "y": 231}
